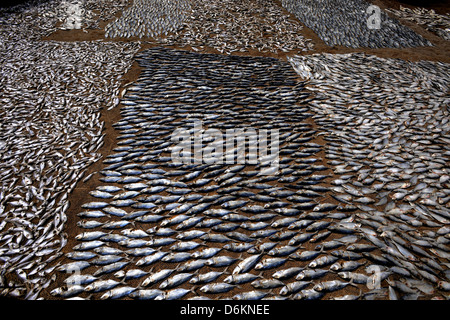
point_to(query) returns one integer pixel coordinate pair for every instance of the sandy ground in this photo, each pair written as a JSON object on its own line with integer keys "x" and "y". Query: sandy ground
{"x": 439, "y": 52}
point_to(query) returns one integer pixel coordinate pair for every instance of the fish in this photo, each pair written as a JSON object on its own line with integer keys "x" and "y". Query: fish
{"x": 270, "y": 263}
{"x": 421, "y": 16}
{"x": 240, "y": 278}
{"x": 91, "y": 235}
{"x": 205, "y": 253}
{"x": 360, "y": 132}
{"x": 77, "y": 265}
{"x": 239, "y": 247}
{"x": 176, "y": 257}
{"x": 220, "y": 261}
{"x": 322, "y": 261}
{"x": 71, "y": 291}
{"x": 250, "y": 295}
{"x": 147, "y": 260}
{"x": 88, "y": 245}
{"x": 308, "y": 294}
{"x": 267, "y": 283}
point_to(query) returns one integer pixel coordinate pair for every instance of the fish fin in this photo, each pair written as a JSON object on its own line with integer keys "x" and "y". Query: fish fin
{"x": 353, "y": 284}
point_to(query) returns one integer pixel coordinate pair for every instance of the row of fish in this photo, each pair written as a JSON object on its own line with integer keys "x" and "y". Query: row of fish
{"x": 41, "y": 18}
{"x": 353, "y": 24}
{"x": 437, "y": 23}
{"x": 50, "y": 133}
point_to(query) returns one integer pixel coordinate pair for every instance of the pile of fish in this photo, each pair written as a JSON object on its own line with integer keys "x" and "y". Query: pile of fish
{"x": 40, "y": 18}
{"x": 340, "y": 22}
{"x": 354, "y": 203}
{"x": 227, "y": 26}
{"x": 149, "y": 18}
{"x": 86, "y": 14}
{"x": 437, "y": 23}
{"x": 50, "y": 131}
{"x": 386, "y": 127}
